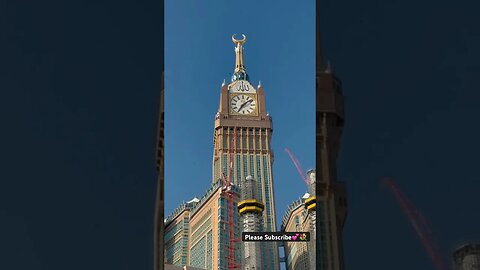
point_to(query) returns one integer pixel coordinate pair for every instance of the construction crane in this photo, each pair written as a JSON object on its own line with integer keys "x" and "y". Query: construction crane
{"x": 297, "y": 166}
{"x": 229, "y": 193}
{"x": 419, "y": 224}
{"x": 311, "y": 186}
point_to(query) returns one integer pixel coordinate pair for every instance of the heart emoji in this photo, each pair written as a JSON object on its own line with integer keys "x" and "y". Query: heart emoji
{"x": 295, "y": 237}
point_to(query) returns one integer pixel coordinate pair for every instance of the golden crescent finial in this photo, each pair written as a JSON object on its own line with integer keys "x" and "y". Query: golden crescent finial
{"x": 237, "y": 41}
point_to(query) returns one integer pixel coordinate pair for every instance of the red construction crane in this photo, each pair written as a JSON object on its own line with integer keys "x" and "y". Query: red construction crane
{"x": 228, "y": 192}
{"x": 419, "y": 224}
{"x": 297, "y": 165}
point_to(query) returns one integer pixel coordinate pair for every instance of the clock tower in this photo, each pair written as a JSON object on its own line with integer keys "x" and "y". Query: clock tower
{"x": 242, "y": 107}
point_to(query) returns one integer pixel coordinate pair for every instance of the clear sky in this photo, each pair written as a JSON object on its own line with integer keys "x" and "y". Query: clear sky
{"x": 199, "y": 54}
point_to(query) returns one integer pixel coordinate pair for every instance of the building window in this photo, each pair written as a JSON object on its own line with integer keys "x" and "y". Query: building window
{"x": 237, "y": 164}
{"x": 216, "y": 168}
{"x": 237, "y": 142}
{"x": 259, "y": 177}
{"x": 225, "y": 164}
{"x": 197, "y": 256}
{"x": 252, "y": 166}
{"x": 244, "y": 166}
{"x": 209, "y": 250}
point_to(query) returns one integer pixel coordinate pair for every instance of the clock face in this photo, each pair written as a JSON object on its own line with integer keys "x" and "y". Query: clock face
{"x": 243, "y": 104}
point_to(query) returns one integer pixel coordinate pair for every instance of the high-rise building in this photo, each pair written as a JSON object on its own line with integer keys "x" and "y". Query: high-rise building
{"x": 297, "y": 256}
{"x": 242, "y": 107}
{"x": 176, "y": 234}
{"x": 467, "y": 257}
{"x": 330, "y": 193}
{"x": 196, "y": 233}
{"x": 331, "y": 203}
{"x": 301, "y": 217}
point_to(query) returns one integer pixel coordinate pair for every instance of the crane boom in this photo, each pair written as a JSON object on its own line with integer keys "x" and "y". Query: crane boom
{"x": 297, "y": 166}
{"x": 419, "y": 223}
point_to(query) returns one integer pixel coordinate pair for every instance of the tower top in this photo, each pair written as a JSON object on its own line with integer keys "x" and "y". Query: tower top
{"x": 240, "y": 72}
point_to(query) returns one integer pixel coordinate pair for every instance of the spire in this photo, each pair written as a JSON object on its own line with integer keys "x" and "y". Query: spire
{"x": 240, "y": 72}
{"x": 239, "y": 53}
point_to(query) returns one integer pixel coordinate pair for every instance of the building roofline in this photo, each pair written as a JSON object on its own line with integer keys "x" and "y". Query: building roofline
{"x": 290, "y": 208}
{"x": 193, "y": 205}
{"x": 465, "y": 246}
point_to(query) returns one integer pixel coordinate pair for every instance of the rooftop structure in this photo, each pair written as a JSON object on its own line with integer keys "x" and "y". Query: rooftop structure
{"x": 467, "y": 257}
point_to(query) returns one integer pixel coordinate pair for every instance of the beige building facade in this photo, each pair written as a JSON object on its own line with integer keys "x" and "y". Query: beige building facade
{"x": 196, "y": 233}
{"x": 301, "y": 217}
{"x": 297, "y": 254}
{"x": 176, "y": 236}
{"x": 242, "y": 113}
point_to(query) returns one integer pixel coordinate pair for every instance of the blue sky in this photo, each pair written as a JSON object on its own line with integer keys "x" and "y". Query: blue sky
{"x": 199, "y": 54}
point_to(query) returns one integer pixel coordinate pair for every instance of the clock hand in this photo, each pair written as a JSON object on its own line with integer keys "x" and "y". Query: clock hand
{"x": 241, "y": 106}
{"x": 245, "y": 103}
